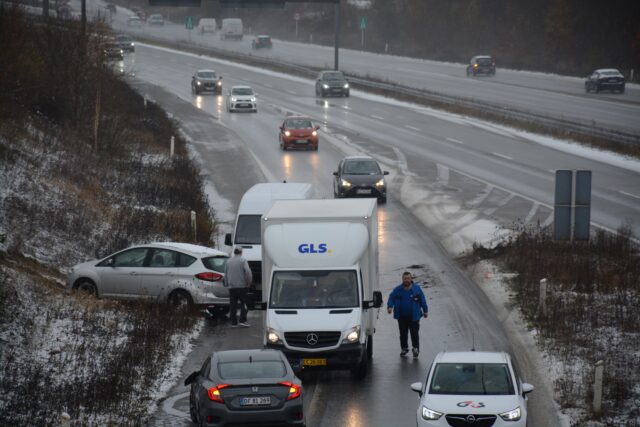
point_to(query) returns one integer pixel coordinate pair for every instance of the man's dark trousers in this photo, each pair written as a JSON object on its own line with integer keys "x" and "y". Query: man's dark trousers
{"x": 238, "y": 296}
{"x": 406, "y": 325}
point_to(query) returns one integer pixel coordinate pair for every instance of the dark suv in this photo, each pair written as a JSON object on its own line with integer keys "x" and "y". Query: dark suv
{"x": 605, "y": 79}
{"x": 481, "y": 64}
{"x": 331, "y": 83}
{"x": 360, "y": 176}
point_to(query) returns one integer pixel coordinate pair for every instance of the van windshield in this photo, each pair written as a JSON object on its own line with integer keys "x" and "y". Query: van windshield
{"x": 314, "y": 289}
{"x": 248, "y": 230}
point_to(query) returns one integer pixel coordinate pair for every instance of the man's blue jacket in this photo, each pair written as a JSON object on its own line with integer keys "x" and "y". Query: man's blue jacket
{"x": 412, "y": 300}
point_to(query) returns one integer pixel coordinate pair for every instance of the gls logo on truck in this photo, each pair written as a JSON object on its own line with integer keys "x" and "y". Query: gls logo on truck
{"x": 311, "y": 248}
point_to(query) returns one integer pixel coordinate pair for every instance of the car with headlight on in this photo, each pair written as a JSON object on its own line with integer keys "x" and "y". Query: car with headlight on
{"x": 155, "y": 20}
{"x": 126, "y": 42}
{"x": 245, "y": 387}
{"x": 360, "y": 176}
{"x": 179, "y": 274}
{"x": 332, "y": 82}
{"x": 298, "y": 132}
{"x": 206, "y": 81}
{"x": 113, "y": 51}
{"x": 261, "y": 42}
{"x": 481, "y": 64}
{"x": 241, "y": 98}
{"x": 472, "y": 388}
{"x": 605, "y": 79}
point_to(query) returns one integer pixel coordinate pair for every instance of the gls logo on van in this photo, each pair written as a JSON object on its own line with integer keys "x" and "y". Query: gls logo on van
{"x": 310, "y": 248}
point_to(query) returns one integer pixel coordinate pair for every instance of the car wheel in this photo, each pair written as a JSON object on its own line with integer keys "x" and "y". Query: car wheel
{"x": 87, "y": 286}
{"x": 193, "y": 412}
{"x": 315, "y": 148}
{"x": 586, "y": 88}
{"x": 370, "y": 347}
{"x": 621, "y": 89}
{"x": 596, "y": 89}
{"x": 180, "y": 300}
{"x": 218, "y": 310}
{"x": 346, "y": 94}
{"x": 360, "y": 371}
{"x": 382, "y": 200}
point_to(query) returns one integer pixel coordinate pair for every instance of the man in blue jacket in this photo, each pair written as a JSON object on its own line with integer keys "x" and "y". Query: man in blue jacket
{"x": 408, "y": 303}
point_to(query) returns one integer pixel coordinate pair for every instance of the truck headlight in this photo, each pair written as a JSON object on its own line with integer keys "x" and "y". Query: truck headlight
{"x": 273, "y": 337}
{"x": 233, "y": 99}
{"x": 346, "y": 85}
{"x": 253, "y": 99}
{"x": 353, "y": 335}
{"x": 380, "y": 183}
{"x": 345, "y": 183}
{"x": 198, "y": 83}
{"x": 325, "y": 86}
{"x": 512, "y": 415}
{"x": 219, "y": 83}
{"x": 429, "y": 414}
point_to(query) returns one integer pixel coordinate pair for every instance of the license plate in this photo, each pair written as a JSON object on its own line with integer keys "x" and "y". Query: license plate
{"x": 255, "y": 401}
{"x": 301, "y": 141}
{"x": 314, "y": 362}
{"x": 364, "y": 191}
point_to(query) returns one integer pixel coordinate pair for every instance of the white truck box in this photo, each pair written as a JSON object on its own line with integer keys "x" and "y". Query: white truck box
{"x": 231, "y": 28}
{"x": 254, "y": 203}
{"x": 320, "y": 282}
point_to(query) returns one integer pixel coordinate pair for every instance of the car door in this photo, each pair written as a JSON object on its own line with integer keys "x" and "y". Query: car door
{"x": 121, "y": 273}
{"x": 158, "y": 274}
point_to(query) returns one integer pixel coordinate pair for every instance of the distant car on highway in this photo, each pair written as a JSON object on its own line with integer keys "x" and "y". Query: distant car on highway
{"x": 180, "y": 274}
{"x": 134, "y": 21}
{"x": 241, "y": 98}
{"x": 155, "y": 20}
{"x": 139, "y": 13}
{"x": 238, "y": 387}
{"x": 472, "y": 388}
{"x": 207, "y": 25}
{"x": 605, "y": 79}
{"x": 125, "y": 42}
{"x": 331, "y": 82}
{"x": 261, "y": 42}
{"x": 113, "y": 51}
{"x": 206, "y": 81}
{"x": 298, "y": 132}
{"x": 360, "y": 176}
{"x": 481, "y": 64}
{"x": 231, "y": 28}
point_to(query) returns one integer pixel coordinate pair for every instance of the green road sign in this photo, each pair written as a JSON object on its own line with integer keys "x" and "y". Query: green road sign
{"x": 188, "y": 23}
{"x": 363, "y": 22}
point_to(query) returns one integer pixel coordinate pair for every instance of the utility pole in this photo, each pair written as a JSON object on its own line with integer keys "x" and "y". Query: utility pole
{"x": 83, "y": 16}
{"x": 337, "y": 45}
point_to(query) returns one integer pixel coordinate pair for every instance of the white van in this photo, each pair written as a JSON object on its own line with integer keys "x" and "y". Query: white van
{"x": 231, "y": 28}
{"x": 207, "y": 25}
{"x": 255, "y": 202}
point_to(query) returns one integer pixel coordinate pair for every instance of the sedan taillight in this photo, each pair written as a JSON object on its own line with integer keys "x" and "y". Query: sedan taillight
{"x": 214, "y": 393}
{"x": 209, "y": 276}
{"x": 294, "y": 389}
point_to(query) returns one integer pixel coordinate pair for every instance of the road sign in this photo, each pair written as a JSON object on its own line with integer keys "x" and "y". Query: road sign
{"x": 363, "y": 22}
{"x": 188, "y": 23}
{"x": 296, "y": 16}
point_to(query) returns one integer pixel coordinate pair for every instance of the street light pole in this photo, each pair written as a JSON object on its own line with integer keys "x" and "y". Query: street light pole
{"x": 337, "y": 45}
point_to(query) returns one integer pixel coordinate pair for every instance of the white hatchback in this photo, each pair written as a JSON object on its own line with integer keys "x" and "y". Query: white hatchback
{"x": 180, "y": 274}
{"x": 241, "y": 98}
{"x": 472, "y": 388}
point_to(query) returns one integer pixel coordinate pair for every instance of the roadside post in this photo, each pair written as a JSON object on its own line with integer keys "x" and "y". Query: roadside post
{"x": 363, "y": 26}
{"x": 572, "y": 206}
{"x": 296, "y": 18}
{"x": 173, "y": 146}
{"x": 65, "y": 420}
{"x": 193, "y": 225}
{"x": 542, "y": 303}
{"x": 597, "y": 387}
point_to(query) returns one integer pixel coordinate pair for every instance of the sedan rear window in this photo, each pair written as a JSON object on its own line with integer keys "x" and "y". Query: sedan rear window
{"x": 484, "y": 61}
{"x": 249, "y": 370}
{"x": 215, "y": 263}
{"x": 471, "y": 379}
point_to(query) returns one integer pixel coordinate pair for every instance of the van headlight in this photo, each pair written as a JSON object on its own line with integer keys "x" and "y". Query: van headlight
{"x": 353, "y": 335}
{"x": 512, "y": 415}
{"x": 253, "y": 99}
{"x": 233, "y": 99}
{"x": 429, "y": 414}
{"x": 325, "y": 86}
{"x": 273, "y": 337}
{"x": 346, "y": 85}
{"x": 380, "y": 183}
{"x": 345, "y": 183}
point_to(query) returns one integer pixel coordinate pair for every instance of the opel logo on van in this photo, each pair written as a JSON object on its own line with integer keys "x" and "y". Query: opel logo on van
{"x": 471, "y": 419}
{"x": 312, "y": 339}
{"x": 254, "y": 389}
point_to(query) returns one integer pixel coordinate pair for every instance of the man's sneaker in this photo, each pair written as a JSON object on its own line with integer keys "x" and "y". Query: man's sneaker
{"x": 416, "y": 352}
{"x": 234, "y": 325}
{"x": 404, "y": 352}
{"x": 244, "y": 324}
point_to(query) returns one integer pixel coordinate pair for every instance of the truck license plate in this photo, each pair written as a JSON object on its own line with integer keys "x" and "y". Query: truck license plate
{"x": 314, "y": 362}
{"x": 364, "y": 191}
{"x": 255, "y": 401}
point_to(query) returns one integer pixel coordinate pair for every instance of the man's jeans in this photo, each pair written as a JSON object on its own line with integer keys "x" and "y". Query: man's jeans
{"x": 238, "y": 296}
{"x": 408, "y": 325}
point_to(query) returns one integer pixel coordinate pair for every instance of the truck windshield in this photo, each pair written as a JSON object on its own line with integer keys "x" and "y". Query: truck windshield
{"x": 248, "y": 230}
{"x": 314, "y": 289}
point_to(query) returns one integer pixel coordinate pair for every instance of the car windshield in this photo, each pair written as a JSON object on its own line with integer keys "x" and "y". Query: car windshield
{"x": 483, "y": 61}
{"x": 242, "y": 91}
{"x": 333, "y": 76}
{"x": 215, "y": 263}
{"x": 250, "y": 370}
{"x": 361, "y": 167}
{"x": 248, "y": 230}
{"x": 314, "y": 289}
{"x": 207, "y": 74}
{"x": 298, "y": 124}
{"x": 123, "y": 38}
{"x": 471, "y": 379}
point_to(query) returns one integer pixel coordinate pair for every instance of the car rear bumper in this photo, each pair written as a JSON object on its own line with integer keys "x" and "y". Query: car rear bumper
{"x": 290, "y": 414}
{"x": 301, "y": 142}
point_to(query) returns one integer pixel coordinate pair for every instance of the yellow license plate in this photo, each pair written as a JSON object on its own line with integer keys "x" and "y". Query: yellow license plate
{"x": 314, "y": 362}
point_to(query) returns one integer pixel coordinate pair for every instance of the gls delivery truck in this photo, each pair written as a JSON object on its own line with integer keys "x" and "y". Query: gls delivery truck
{"x": 254, "y": 203}
{"x": 320, "y": 282}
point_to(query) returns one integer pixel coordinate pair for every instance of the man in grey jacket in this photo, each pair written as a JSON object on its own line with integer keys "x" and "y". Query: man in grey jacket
{"x": 237, "y": 277}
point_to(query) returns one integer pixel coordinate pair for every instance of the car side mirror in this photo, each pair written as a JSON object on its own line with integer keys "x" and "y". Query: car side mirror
{"x": 192, "y": 378}
{"x": 193, "y": 77}
{"x": 281, "y": 127}
{"x": 317, "y": 127}
{"x": 377, "y": 299}
{"x": 335, "y": 173}
{"x": 417, "y": 387}
{"x": 527, "y": 388}
{"x": 220, "y": 78}
{"x": 227, "y": 239}
{"x": 385, "y": 172}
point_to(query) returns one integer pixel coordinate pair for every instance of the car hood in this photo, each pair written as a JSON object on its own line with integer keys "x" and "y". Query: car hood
{"x": 362, "y": 179}
{"x": 464, "y": 404}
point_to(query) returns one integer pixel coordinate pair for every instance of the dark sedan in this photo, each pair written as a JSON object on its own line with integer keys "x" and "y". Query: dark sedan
{"x": 245, "y": 387}
{"x": 605, "y": 79}
{"x": 261, "y": 42}
{"x": 331, "y": 83}
{"x": 360, "y": 176}
{"x": 481, "y": 64}
{"x": 206, "y": 81}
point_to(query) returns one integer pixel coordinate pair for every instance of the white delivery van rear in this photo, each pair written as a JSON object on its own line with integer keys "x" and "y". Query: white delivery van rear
{"x": 207, "y": 25}
{"x": 231, "y": 28}
{"x": 247, "y": 234}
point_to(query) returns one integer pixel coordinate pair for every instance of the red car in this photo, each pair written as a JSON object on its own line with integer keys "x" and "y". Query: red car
{"x": 298, "y": 132}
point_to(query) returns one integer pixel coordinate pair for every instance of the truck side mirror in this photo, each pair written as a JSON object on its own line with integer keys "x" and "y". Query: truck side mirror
{"x": 192, "y": 378}
{"x": 335, "y": 173}
{"x": 386, "y": 172}
{"x": 227, "y": 239}
{"x": 377, "y": 299}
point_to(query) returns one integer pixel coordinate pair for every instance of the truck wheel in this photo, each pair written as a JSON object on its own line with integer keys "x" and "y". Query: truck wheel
{"x": 370, "y": 347}
{"x": 360, "y": 371}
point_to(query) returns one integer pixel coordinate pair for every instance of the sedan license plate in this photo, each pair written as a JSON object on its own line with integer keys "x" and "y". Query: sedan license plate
{"x": 314, "y": 362}
{"x": 255, "y": 401}
{"x": 301, "y": 141}
{"x": 364, "y": 191}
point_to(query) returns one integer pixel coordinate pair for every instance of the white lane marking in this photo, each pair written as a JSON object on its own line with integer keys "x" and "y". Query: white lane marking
{"x": 532, "y": 212}
{"x": 268, "y": 85}
{"x": 190, "y": 64}
{"x": 552, "y": 170}
{"x": 547, "y": 222}
{"x": 455, "y": 140}
{"x": 402, "y": 162}
{"x": 480, "y": 197}
{"x": 413, "y": 128}
{"x": 502, "y": 155}
{"x": 346, "y": 107}
{"x": 629, "y": 194}
{"x": 290, "y": 91}
{"x": 167, "y": 405}
{"x": 377, "y": 117}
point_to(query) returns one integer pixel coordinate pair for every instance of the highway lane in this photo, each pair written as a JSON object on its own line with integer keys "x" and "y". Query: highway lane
{"x": 460, "y": 312}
